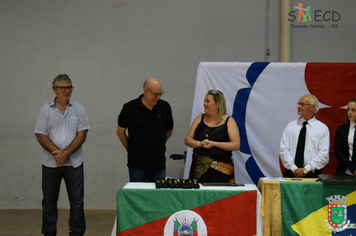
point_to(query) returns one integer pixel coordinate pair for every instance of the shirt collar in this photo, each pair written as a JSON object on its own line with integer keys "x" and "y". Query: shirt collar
{"x": 140, "y": 104}
{"x": 138, "y": 101}
{"x": 53, "y": 104}
{"x": 352, "y": 124}
{"x": 310, "y": 122}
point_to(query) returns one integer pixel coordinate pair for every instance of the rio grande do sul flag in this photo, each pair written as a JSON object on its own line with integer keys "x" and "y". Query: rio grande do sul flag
{"x": 306, "y": 209}
{"x": 262, "y": 97}
{"x": 214, "y": 213}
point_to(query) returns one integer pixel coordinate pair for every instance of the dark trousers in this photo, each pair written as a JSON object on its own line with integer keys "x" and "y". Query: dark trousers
{"x": 51, "y": 182}
{"x": 289, "y": 174}
{"x": 142, "y": 175}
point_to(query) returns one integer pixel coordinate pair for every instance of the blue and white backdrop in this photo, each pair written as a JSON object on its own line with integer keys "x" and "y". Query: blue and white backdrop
{"x": 262, "y": 97}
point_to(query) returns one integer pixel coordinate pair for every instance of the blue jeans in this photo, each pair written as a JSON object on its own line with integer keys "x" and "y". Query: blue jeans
{"x": 142, "y": 175}
{"x": 51, "y": 182}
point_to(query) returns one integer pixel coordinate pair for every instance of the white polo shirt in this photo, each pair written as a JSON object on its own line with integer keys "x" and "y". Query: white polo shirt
{"x": 62, "y": 130}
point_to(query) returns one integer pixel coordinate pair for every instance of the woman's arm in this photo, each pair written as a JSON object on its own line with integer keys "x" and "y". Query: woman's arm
{"x": 189, "y": 139}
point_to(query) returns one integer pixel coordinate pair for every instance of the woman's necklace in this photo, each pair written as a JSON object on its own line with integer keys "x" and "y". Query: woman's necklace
{"x": 207, "y": 131}
{"x": 208, "y": 128}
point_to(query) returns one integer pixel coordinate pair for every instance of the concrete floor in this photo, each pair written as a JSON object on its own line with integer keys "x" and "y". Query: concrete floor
{"x": 28, "y": 222}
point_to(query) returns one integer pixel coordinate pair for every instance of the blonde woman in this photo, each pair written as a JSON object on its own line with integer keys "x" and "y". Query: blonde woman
{"x": 213, "y": 136}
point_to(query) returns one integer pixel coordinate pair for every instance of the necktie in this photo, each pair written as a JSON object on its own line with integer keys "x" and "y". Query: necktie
{"x": 354, "y": 149}
{"x": 299, "y": 155}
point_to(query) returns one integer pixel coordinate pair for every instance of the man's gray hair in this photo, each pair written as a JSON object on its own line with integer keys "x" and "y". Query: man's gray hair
{"x": 313, "y": 100}
{"x": 60, "y": 77}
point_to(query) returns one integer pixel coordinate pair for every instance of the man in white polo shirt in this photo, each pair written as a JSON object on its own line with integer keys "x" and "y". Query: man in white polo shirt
{"x": 61, "y": 129}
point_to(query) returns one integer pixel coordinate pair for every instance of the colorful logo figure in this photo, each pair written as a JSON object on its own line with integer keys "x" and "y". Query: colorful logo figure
{"x": 337, "y": 214}
{"x": 185, "y": 223}
{"x": 306, "y": 15}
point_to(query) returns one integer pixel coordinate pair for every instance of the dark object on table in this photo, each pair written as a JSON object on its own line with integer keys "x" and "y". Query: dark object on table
{"x": 336, "y": 179}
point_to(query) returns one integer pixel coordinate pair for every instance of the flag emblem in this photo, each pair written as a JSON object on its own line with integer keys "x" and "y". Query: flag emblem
{"x": 337, "y": 214}
{"x": 185, "y": 223}
{"x": 185, "y": 230}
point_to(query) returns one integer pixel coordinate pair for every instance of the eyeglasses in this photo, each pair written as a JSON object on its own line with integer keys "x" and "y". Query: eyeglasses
{"x": 156, "y": 94}
{"x": 64, "y": 88}
{"x": 303, "y": 104}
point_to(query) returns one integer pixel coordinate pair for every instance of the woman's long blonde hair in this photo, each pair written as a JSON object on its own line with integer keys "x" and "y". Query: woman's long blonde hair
{"x": 220, "y": 100}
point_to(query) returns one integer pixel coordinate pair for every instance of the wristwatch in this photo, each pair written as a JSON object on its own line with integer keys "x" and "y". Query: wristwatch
{"x": 305, "y": 171}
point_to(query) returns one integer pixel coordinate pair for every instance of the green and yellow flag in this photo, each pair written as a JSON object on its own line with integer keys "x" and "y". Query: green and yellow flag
{"x": 313, "y": 209}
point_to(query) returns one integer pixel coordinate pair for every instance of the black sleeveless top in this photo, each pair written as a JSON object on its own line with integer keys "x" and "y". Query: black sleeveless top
{"x": 218, "y": 134}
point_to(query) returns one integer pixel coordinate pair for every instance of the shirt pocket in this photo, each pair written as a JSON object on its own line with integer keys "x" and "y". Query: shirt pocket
{"x": 73, "y": 122}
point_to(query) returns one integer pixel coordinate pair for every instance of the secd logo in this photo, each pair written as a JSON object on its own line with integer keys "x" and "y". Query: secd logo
{"x": 305, "y": 14}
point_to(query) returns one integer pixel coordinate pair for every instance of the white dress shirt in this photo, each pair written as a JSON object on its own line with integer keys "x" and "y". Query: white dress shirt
{"x": 351, "y": 143}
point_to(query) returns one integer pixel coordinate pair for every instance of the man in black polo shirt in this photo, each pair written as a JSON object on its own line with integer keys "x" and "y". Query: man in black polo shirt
{"x": 149, "y": 122}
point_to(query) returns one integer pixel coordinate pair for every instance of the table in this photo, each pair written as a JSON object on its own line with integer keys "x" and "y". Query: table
{"x": 144, "y": 210}
{"x": 293, "y": 206}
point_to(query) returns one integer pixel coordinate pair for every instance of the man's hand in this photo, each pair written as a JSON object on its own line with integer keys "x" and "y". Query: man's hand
{"x": 299, "y": 173}
{"x": 61, "y": 156}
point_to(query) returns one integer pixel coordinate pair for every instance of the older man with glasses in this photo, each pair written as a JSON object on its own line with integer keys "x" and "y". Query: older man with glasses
{"x": 144, "y": 126}
{"x": 61, "y": 129}
{"x": 304, "y": 147}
